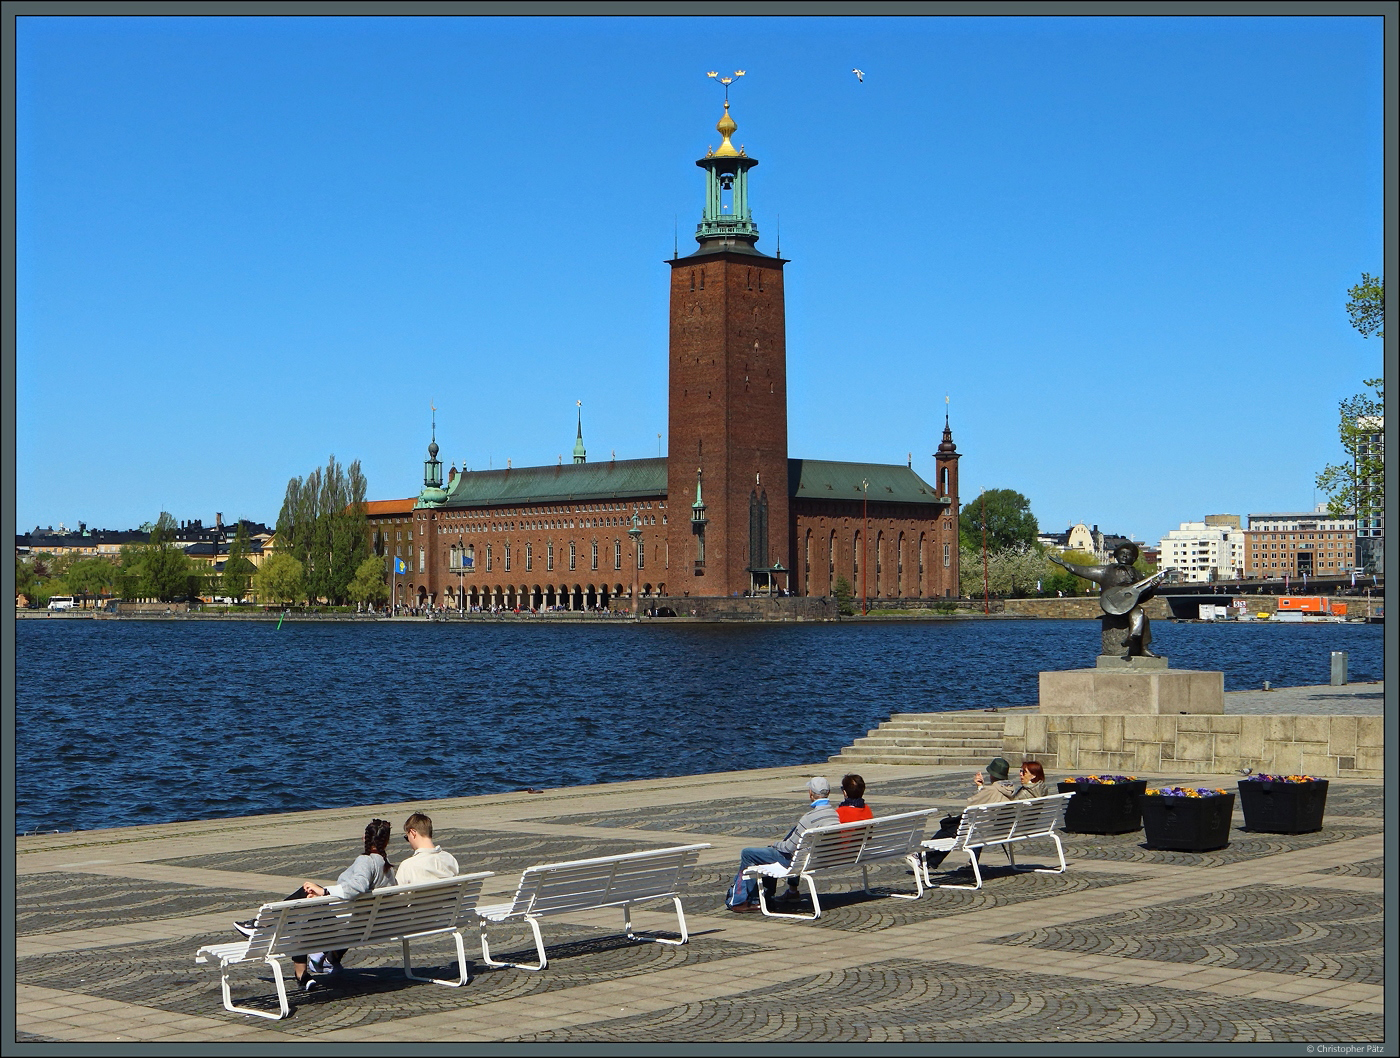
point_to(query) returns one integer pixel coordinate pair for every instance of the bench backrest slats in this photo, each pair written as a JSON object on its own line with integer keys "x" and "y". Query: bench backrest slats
{"x": 864, "y": 841}
{"x": 605, "y": 881}
{"x": 325, "y": 923}
{"x": 1011, "y": 820}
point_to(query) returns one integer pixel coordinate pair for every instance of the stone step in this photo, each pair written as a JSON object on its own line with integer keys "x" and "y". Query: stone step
{"x": 845, "y": 757}
{"x": 968, "y": 745}
{"x": 941, "y": 732}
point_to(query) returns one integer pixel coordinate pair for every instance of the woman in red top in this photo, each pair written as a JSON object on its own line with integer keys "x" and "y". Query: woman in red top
{"x": 854, "y": 806}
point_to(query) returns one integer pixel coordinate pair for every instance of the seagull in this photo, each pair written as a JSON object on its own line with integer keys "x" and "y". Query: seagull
{"x": 860, "y": 75}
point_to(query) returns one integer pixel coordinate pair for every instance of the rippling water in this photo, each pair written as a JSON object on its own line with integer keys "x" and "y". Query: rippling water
{"x": 124, "y": 722}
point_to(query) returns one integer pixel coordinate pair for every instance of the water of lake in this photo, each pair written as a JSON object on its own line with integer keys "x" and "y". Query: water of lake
{"x": 127, "y": 722}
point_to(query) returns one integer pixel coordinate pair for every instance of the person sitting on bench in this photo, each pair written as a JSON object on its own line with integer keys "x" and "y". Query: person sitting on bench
{"x": 743, "y": 894}
{"x": 428, "y": 862}
{"x": 853, "y": 809}
{"x": 372, "y": 870}
{"x": 999, "y": 789}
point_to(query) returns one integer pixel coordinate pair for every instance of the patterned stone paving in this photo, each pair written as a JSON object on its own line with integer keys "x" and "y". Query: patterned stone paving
{"x": 476, "y": 850}
{"x": 164, "y": 975}
{"x": 846, "y": 907}
{"x": 768, "y": 818}
{"x": 1244, "y": 845}
{"x": 1365, "y": 869}
{"x": 1281, "y": 929}
{"x": 56, "y": 902}
{"x": 902, "y": 1000}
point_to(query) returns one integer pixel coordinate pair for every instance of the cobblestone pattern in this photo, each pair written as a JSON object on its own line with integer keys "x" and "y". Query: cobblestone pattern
{"x": 1292, "y": 930}
{"x": 907, "y": 1000}
{"x": 1244, "y": 845}
{"x": 164, "y": 975}
{"x": 846, "y": 907}
{"x": 476, "y": 850}
{"x": 54, "y": 902}
{"x": 1365, "y": 801}
{"x": 765, "y": 818}
{"x": 1365, "y": 869}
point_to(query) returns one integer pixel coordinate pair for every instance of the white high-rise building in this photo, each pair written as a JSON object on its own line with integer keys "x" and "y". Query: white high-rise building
{"x": 1201, "y": 552}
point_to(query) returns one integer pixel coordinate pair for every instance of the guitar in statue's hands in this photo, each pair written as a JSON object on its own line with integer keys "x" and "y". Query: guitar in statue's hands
{"x": 1123, "y": 598}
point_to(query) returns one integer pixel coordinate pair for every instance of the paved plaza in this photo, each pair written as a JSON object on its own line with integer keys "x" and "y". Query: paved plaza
{"x": 1274, "y": 938}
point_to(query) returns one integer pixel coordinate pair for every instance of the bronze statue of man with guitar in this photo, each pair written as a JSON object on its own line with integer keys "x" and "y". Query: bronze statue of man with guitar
{"x": 1126, "y": 631}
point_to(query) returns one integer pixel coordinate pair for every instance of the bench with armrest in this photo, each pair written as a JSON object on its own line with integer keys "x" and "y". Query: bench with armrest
{"x": 1002, "y": 824}
{"x": 588, "y": 885}
{"x": 290, "y": 928}
{"x": 842, "y": 846}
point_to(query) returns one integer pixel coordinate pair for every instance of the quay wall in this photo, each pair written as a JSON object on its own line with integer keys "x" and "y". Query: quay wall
{"x": 1330, "y": 747}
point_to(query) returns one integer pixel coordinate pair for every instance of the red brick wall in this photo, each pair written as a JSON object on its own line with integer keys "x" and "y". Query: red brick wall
{"x": 728, "y": 414}
{"x": 925, "y": 528}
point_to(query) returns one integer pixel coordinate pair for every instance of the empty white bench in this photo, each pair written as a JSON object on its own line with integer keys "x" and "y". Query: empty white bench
{"x": 327, "y": 923}
{"x": 587, "y": 885}
{"x": 1003, "y": 824}
{"x": 842, "y": 846}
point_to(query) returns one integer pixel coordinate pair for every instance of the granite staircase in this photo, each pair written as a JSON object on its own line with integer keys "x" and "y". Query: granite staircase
{"x": 963, "y": 738}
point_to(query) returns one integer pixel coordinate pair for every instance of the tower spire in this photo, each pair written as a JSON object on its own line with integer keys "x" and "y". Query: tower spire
{"x": 726, "y": 220}
{"x": 580, "y": 453}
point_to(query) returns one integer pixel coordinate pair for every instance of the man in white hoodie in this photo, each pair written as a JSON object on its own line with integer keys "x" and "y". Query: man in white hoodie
{"x": 428, "y": 862}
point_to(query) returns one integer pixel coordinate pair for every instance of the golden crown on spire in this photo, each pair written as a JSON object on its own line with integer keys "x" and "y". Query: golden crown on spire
{"x": 726, "y": 126}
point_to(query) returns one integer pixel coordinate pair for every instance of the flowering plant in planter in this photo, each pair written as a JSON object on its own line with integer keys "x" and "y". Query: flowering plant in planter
{"x": 1103, "y": 804}
{"x": 1106, "y": 780}
{"x": 1185, "y": 791}
{"x": 1280, "y": 778}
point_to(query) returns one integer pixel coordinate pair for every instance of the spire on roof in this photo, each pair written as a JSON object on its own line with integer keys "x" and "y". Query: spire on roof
{"x": 580, "y": 453}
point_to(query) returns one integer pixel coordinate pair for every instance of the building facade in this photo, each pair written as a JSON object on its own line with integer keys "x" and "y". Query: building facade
{"x": 1296, "y": 544}
{"x": 1200, "y": 552}
{"x": 727, "y": 512}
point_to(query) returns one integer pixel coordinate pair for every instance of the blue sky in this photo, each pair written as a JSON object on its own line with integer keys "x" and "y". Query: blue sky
{"x": 1121, "y": 245}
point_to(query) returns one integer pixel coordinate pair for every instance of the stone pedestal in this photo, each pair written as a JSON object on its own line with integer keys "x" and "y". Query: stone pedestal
{"x": 1132, "y": 686}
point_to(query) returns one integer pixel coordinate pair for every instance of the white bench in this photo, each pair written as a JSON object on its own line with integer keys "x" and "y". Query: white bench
{"x": 1003, "y": 824}
{"x": 842, "y": 846}
{"x": 327, "y": 923}
{"x": 588, "y": 885}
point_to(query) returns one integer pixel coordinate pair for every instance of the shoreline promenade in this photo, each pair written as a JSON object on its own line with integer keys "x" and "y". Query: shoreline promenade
{"x": 1276, "y": 937}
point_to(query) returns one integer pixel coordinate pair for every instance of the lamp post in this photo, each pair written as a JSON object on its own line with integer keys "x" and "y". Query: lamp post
{"x": 864, "y": 541}
{"x": 636, "y": 534}
{"x": 986, "y": 592}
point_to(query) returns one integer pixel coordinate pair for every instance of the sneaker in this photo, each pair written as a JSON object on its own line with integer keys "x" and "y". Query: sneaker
{"x": 309, "y": 983}
{"x": 320, "y": 963}
{"x": 742, "y": 909}
{"x": 247, "y": 927}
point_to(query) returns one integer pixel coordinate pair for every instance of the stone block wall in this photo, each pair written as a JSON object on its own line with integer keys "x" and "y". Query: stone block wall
{"x": 1326, "y": 746}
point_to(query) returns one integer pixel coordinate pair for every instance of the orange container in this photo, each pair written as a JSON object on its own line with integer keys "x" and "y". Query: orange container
{"x": 1303, "y": 603}
{"x": 1339, "y": 608}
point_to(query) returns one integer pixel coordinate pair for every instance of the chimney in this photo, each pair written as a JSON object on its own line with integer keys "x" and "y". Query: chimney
{"x": 218, "y": 519}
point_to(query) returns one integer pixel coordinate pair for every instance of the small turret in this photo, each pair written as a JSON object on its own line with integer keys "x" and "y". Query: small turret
{"x": 580, "y": 453}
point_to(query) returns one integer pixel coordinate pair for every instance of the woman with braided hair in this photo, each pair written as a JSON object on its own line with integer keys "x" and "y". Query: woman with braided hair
{"x": 369, "y": 871}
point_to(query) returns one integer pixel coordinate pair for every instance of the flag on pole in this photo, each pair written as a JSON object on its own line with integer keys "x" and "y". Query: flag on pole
{"x": 400, "y": 566}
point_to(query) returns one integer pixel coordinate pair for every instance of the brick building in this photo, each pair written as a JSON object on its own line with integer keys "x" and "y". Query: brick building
{"x": 728, "y": 512}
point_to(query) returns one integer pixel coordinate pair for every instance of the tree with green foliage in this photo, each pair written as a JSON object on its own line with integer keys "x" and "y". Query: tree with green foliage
{"x": 843, "y": 593}
{"x": 368, "y": 585}
{"x": 159, "y": 568}
{"x": 1010, "y": 522}
{"x": 238, "y": 570}
{"x": 91, "y": 577}
{"x": 322, "y": 524}
{"x": 1366, "y": 306}
{"x": 24, "y": 578}
{"x": 280, "y": 579}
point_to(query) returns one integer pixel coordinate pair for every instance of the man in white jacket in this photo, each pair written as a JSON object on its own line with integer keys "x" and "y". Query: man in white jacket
{"x": 428, "y": 862}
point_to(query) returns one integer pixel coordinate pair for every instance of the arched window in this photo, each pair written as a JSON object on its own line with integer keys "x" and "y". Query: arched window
{"x": 758, "y": 530}
{"x": 855, "y": 562}
{"x": 617, "y": 554}
{"x": 529, "y": 556}
{"x": 831, "y": 562}
{"x": 507, "y": 558}
{"x": 879, "y": 559}
{"x": 899, "y": 565}
{"x": 488, "y": 558}
{"x": 549, "y": 556}
{"x": 923, "y": 588}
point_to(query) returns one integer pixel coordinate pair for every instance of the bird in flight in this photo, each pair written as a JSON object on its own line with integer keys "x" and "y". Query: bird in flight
{"x": 860, "y": 75}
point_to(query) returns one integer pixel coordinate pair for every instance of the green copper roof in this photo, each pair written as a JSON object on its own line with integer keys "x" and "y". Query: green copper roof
{"x": 567, "y": 483}
{"x": 821, "y": 479}
{"x": 814, "y": 479}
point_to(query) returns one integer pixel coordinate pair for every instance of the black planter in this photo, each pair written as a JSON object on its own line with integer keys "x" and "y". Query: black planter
{"x": 1103, "y": 808}
{"x": 1187, "y": 824}
{"x": 1283, "y": 807}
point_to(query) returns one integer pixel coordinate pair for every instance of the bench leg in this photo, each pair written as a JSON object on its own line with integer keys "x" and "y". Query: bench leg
{"x": 811, "y": 888}
{"x": 1061, "y": 850}
{"x": 229, "y": 1004}
{"x": 463, "y": 969}
{"x": 976, "y": 871}
{"x": 680, "y": 916}
{"x": 539, "y": 947}
{"x": 913, "y": 861}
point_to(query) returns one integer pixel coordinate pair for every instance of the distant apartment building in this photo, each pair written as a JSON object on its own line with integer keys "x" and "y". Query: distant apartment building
{"x": 1201, "y": 552}
{"x": 1086, "y": 539}
{"x": 1370, "y": 526}
{"x": 207, "y": 545}
{"x": 1300, "y": 543}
